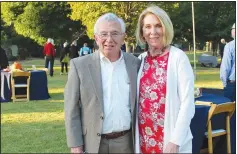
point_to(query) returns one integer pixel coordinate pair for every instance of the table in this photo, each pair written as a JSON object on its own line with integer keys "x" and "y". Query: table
{"x": 199, "y": 121}
{"x": 38, "y": 86}
{"x": 207, "y": 60}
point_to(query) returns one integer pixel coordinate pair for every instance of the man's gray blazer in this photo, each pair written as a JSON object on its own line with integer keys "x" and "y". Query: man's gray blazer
{"x": 83, "y": 100}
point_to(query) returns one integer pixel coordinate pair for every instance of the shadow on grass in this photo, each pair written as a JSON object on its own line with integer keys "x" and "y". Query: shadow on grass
{"x": 206, "y": 78}
{"x": 204, "y": 67}
{"x": 32, "y": 106}
{"x": 36, "y": 137}
{"x": 56, "y": 96}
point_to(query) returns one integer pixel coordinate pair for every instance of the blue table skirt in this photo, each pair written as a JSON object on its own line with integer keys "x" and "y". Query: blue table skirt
{"x": 199, "y": 121}
{"x": 198, "y": 126}
{"x": 38, "y": 87}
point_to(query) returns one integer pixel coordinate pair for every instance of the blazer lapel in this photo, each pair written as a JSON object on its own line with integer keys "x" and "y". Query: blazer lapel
{"x": 95, "y": 72}
{"x": 132, "y": 74}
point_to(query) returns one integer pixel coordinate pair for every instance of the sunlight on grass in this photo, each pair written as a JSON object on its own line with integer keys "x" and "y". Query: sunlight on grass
{"x": 56, "y": 90}
{"x": 56, "y": 101}
{"x": 41, "y": 68}
{"x": 213, "y": 84}
{"x": 32, "y": 117}
{"x": 208, "y": 72}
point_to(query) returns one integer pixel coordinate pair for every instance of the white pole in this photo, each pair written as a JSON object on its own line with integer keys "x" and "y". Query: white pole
{"x": 194, "y": 42}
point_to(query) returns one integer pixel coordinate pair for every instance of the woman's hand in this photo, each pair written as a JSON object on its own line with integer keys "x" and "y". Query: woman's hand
{"x": 171, "y": 148}
{"x": 77, "y": 150}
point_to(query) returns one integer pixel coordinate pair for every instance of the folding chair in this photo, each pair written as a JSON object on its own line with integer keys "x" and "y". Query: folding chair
{"x": 25, "y": 97}
{"x": 215, "y": 109}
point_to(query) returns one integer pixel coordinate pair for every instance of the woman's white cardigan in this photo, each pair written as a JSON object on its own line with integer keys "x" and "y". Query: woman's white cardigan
{"x": 179, "y": 107}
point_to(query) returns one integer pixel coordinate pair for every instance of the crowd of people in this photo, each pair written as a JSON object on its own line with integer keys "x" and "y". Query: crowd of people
{"x": 68, "y": 52}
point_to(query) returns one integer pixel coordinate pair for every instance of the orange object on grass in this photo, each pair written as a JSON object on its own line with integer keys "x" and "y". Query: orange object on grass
{"x": 17, "y": 65}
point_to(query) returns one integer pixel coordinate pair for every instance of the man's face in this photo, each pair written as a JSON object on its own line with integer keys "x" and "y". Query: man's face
{"x": 109, "y": 37}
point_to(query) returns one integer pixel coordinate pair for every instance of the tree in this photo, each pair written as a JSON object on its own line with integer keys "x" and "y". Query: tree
{"x": 40, "y": 20}
{"x": 212, "y": 21}
{"x": 89, "y": 12}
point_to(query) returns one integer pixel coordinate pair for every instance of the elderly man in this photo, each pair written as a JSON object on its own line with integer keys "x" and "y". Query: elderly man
{"x": 49, "y": 53}
{"x": 221, "y": 47}
{"x": 100, "y": 94}
{"x": 227, "y": 70}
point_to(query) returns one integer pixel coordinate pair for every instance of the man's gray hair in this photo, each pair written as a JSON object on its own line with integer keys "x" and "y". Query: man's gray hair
{"x": 49, "y": 40}
{"x": 111, "y": 17}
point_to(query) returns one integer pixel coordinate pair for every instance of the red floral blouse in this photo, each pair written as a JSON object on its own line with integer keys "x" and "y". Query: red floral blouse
{"x": 152, "y": 103}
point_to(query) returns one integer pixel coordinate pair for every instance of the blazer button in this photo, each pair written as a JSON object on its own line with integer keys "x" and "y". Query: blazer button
{"x": 98, "y": 134}
{"x": 101, "y": 117}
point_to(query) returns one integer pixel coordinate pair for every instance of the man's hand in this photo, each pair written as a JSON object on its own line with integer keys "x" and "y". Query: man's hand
{"x": 171, "y": 148}
{"x": 77, "y": 150}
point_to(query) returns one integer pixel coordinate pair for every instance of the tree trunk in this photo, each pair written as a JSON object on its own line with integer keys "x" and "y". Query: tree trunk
{"x": 127, "y": 46}
{"x": 133, "y": 47}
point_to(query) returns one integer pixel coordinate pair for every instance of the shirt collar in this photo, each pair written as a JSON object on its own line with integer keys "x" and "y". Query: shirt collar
{"x": 103, "y": 58}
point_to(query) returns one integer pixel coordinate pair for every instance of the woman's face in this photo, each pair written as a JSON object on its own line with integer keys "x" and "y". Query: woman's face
{"x": 153, "y": 31}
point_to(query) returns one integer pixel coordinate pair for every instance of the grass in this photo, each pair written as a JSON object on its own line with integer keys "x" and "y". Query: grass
{"x": 205, "y": 77}
{"x": 38, "y": 126}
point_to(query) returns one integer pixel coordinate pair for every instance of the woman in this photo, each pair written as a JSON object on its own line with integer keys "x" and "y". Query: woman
{"x": 165, "y": 88}
{"x": 64, "y": 58}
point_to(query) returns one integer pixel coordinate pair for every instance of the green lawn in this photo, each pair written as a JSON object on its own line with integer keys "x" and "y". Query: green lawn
{"x": 38, "y": 126}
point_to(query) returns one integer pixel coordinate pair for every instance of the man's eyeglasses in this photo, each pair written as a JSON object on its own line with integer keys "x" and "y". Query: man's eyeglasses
{"x": 105, "y": 36}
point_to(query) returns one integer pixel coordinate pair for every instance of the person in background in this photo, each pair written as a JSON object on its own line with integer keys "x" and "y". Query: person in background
{"x": 123, "y": 47}
{"x": 73, "y": 50}
{"x": 99, "y": 97}
{"x": 64, "y": 58}
{"x": 227, "y": 69}
{"x": 221, "y": 48}
{"x": 49, "y": 53}
{"x": 85, "y": 50}
{"x": 3, "y": 60}
{"x": 95, "y": 47}
{"x": 165, "y": 88}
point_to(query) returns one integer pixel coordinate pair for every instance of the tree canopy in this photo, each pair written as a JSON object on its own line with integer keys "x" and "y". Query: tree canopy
{"x": 213, "y": 19}
{"x": 88, "y": 13}
{"x": 40, "y": 20}
{"x": 68, "y": 20}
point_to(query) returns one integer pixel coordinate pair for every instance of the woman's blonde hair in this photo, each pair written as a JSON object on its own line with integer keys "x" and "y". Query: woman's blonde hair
{"x": 166, "y": 23}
